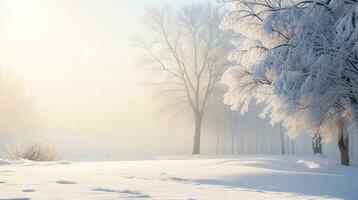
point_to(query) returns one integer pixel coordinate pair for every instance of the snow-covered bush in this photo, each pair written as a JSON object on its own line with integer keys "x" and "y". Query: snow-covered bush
{"x": 32, "y": 150}
{"x": 301, "y": 59}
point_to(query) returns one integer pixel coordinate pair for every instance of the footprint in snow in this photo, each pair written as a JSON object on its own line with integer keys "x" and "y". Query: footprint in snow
{"x": 65, "y": 182}
{"x": 103, "y": 190}
{"x": 143, "y": 196}
{"x": 134, "y": 194}
{"x": 178, "y": 179}
{"x": 59, "y": 163}
{"x": 129, "y": 192}
{"x": 28, "y": 190}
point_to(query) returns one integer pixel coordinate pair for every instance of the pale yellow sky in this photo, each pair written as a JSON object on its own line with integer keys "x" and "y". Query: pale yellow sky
{"x": 76, "y": 59}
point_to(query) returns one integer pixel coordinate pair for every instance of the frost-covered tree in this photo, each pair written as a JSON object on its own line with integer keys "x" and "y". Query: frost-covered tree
{"x": 301, "y": 59}
{"x": 187, "y": 53}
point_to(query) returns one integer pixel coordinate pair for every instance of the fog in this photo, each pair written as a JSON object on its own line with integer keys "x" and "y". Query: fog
{"x": 76, "y": 60}
{"x": 70, "y": 77}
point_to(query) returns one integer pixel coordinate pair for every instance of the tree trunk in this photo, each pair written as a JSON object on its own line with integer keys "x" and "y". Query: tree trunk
{"x": 256, "y": 141}
{"x": 343, "y": 145}
{"x": 317, "y": 144}
{"x": 293, "y": 147}
{"x": 233, "y": 141}
{"x": 352, "y": 140}
{"x": 217, "y": 141}
{"x": 282, "y": 140}
{"x": 232, "y": 134}
{"x": 198, "y": 119}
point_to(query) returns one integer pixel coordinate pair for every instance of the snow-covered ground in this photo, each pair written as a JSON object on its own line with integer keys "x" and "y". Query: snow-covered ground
{"x": 203, "y": 177}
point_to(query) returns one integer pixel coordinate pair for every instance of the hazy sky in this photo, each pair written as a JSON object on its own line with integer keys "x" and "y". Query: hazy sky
{"x": 76, "y": 59}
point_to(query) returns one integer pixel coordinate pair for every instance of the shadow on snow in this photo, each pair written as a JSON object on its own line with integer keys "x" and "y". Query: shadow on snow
{"x": 291, "y": 177}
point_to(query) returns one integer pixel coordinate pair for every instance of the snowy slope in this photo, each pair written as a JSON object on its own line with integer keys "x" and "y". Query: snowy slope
{"x": 204, "y": 177}
{"x": 3, "y": 162}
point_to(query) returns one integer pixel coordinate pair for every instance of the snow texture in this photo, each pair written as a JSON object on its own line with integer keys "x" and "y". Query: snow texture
{"x": 3, "y": 162}
{"x": 184, "y": 177}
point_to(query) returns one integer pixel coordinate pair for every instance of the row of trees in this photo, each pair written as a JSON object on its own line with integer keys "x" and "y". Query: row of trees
{"x": 297, "y": 57}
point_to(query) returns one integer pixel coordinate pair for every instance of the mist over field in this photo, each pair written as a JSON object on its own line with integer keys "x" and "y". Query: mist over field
{"x": 163, "y": 99}
{"x": 76, "y": 62}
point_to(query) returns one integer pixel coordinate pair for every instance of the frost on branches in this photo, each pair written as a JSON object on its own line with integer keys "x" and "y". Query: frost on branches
{"x": 301, "y": 59}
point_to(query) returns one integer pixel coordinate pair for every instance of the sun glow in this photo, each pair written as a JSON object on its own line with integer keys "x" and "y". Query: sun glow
{"x": 27, "y": 14}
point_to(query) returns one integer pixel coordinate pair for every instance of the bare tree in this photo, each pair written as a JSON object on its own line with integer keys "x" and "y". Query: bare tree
{"x": 221, "y": 118}
{"x": 189, "y": 53}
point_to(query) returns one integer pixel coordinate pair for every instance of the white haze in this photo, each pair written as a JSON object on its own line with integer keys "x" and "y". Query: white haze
{"x": 76, "y": 61}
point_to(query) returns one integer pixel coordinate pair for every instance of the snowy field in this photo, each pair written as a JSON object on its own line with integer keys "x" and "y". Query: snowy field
{"x": 204, "y": 177}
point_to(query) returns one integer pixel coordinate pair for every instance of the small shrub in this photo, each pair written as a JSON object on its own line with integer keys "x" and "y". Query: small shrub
{"x": 32, "y": 150}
